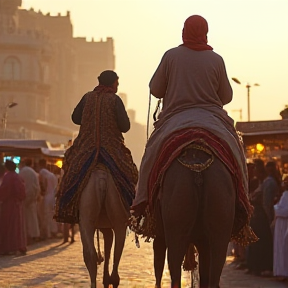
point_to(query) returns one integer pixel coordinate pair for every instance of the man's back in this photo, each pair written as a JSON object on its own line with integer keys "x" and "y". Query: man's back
{"x": 186, "y": 78}
{"x": 100, "y": 113}
{"x": 48, "y": 182}
{"x": 31, "y": 181}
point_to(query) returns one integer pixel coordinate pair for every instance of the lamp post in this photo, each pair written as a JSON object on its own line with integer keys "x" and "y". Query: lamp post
{"x": 248, "y": 86}
{"x": 5, "y": 115}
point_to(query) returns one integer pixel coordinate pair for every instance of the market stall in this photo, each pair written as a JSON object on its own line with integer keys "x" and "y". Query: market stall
{"x": 265, "y": 139}
{"x": 16, "y": 149}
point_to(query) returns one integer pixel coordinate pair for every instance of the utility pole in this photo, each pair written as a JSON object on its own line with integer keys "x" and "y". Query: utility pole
{"x": 5, "y": 115}
{"x": 248, "y": 86}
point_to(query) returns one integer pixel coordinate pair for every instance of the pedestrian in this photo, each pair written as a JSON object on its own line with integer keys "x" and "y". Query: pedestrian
{"x": 2, "y": 172}
{"x": 12, "y": 218}
{"x": 284, "y": 171}
{"x": 48, "y": 184}
{"x": 259, "y": 254}
{"x": 68, "y": 228}
{"x": 271, "y": 189}
{"x": 32, "y": 188}
{"x": 240, "y": 251}
{"x": 280, "y": 264}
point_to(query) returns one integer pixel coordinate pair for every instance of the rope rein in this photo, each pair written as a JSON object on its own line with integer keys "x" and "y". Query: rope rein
{"x": 148, "y": 117}
{"x": 157, "y": 108}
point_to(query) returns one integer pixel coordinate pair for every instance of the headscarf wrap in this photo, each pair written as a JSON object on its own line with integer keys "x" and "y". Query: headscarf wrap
{"x": 194, "y": 33}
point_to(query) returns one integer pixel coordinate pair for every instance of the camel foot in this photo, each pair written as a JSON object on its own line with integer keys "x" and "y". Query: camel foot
{"x": 115, "y": 279}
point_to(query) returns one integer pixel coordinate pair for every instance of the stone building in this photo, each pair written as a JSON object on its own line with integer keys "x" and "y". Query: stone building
{"x": 44, "y": 71}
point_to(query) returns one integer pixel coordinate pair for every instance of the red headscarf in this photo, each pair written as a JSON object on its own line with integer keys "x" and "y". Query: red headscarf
{"x": 194, "y": 33}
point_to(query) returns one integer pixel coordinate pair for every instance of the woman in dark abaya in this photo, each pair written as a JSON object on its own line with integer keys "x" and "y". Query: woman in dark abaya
{"x": 259, "y": 254}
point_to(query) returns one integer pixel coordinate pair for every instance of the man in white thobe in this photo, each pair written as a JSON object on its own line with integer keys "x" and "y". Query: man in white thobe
{"x": 48, "y": 185}
{"x": 32, "y": 188}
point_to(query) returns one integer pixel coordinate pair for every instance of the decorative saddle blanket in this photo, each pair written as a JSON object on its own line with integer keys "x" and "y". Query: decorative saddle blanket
{"x": 172, "y": 148}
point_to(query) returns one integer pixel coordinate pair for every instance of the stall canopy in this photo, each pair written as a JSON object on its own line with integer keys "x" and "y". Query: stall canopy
{"x": 263, "y": 131}
{"x": 31, "y": 148}
{"x": 268, "y": 139}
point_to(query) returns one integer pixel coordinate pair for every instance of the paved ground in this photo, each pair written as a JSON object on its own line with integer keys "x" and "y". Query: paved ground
{"x": 50, "y": 264}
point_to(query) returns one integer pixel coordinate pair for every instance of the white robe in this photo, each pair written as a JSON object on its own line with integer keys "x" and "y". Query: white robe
{"x": 32, "y": 189}
{"x": 48, "y": 224}
{"x": 280, "y": 265}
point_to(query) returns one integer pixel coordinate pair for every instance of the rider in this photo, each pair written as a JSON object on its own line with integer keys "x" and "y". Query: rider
{"x": 99, "y": 145}
{"x": 192, "y": 82}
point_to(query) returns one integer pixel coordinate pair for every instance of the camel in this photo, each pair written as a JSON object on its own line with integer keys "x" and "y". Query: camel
{"x": 101, "y": 207}
{"x": 194, "y": 208}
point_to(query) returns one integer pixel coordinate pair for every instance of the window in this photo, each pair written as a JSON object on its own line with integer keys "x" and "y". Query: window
{"x": 11, "y": 69}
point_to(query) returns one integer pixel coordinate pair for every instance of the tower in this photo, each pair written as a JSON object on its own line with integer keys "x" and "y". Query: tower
{"x": 8, "y": 15}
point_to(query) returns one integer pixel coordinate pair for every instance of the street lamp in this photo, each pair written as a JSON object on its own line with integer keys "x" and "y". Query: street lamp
{"x": 5, "y": 115}
{"x": 248, "y": 86}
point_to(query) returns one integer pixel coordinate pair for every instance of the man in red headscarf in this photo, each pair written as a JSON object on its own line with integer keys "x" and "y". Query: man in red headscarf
{"x": 191, "y": 74}
{"x": 190, "y": 79}
{"x": 192, "y": 83}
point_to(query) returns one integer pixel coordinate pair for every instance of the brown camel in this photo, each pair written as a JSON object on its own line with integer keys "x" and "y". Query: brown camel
{"x": 194, "y": 208}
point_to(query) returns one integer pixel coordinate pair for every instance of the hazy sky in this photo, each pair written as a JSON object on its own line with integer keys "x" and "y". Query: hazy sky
{"x": 250, "y": 35}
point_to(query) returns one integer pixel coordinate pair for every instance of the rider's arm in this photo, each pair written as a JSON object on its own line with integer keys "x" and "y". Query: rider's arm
{"x": 122, "y": 117}
{"x": 225, "y": 91}
{"x": 77, "y": 113}
{"x": 158, "y": 83}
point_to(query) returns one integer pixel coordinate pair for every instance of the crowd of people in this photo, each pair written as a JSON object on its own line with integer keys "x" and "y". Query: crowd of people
{"x": 268, "y": 193}
{"x": 27, "y": 201}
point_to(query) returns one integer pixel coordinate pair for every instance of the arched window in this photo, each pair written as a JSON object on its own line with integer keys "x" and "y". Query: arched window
{"x": 11, "y": 69}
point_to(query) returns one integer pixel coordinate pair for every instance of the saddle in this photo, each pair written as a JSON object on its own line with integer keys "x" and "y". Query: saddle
{"x": 197, "y": 158}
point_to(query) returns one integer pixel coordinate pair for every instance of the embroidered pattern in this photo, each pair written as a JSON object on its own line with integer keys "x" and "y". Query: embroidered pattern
{"x": 99, "y": 141}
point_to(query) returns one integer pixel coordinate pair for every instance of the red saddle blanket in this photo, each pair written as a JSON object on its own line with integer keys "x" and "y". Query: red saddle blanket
{"x": 172, "y": 148}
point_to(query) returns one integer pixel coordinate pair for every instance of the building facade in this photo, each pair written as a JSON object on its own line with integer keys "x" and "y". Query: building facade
{"x": 44, "y": 72}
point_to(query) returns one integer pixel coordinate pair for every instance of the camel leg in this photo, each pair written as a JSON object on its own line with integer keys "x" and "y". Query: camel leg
{"x": 176, "y": 253}
{"x": 119, "y": 220}
{"x": 108, "y": 241}
{"x": 87, "y": 231}
{"x": 89, "y": 209}
{"x": 159, "y": 248}
{"x": 219, "y": 221}
{"x": 177, "y": 190}
{"x": 120, "y": 235}
{"x": 204, "y": 264}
